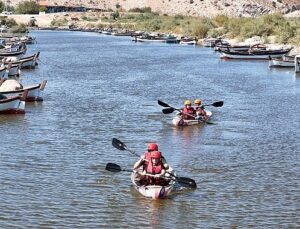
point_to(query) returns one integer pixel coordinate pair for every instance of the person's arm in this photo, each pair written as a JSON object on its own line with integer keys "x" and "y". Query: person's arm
{"x": 165, "y": 164}
{"x": 163, "y": 172}
{"x": 139, "y": 163}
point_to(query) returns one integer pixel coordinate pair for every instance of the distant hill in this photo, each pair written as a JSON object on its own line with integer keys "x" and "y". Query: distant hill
{"x": 209, "y": 8}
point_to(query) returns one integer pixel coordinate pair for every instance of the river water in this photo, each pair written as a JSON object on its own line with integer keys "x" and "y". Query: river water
{"x": 53, "y": 158}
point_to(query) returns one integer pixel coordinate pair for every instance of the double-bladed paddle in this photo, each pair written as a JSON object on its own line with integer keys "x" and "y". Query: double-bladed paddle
{"x": 121, "y": 146}
{"x": 163, "y": 104}
{"x": 112, "y": 167}
{"x": 169, "y": 109}
{"x": 184, "y": 181}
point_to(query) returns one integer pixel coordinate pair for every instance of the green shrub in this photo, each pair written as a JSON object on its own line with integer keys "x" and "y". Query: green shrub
{"x": 221, "y": 20}
{"x": 27, "y": 7}
{"x": 178, "y": 17}
{"x": 200, "y": 30}
{"x": 141, "y": 10}
{"x": 21, "y": 28}
{"x": 153, "y": 25}
{"x": 216, "y": 32}
{"x": 234, "y": 26}
{"x": 43, "y": 9}
{"x": 115, "y": 15}
{"x": 9, "y": 22}
{"x": 285, "y": 34}
{"x": 146, "y": 10}
{"x": 2, "y": 6}
{"x": 59, "y": 22}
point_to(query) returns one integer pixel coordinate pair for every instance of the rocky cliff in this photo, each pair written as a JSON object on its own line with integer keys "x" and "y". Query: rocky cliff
{"x": 210, "y": 8}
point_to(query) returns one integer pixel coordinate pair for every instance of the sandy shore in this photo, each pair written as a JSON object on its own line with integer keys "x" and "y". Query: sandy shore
{"x": 42, "y": 20}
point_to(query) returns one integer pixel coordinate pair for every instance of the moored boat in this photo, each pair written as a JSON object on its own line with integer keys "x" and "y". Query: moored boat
{"x": 13, "y": 105}
{"x": 13, "y": 88}
{"x": 283, "y": 62}
{"x": 188, "y": 41}
{"x": 254, "y": 54}
{"x": 25, "y": 62}
{"x": 178, "y": 121}
{"x": 152, "y": 191}
{"x": 164, "y": 38}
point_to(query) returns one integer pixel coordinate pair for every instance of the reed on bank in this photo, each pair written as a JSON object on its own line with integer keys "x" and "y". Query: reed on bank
{"x": 281, "y": 29}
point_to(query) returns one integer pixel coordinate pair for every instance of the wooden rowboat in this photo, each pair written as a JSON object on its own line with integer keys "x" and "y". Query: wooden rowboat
{"x": 35, "y": 92}
{"x": 13, "y": 105}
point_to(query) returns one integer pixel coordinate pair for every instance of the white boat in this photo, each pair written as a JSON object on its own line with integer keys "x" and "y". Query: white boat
{"x": 164, "y": 38}
{"x": 25, "y": 62}
{"x": 178, "y": 121}
{"x": 13, "y": 88}
{"x": 284, "y": 62}
{"x": 16, "y": 50}
{"x": 188, "y": 41}
{"x": 13, "y": 105}
{"x": 3, "y": 72}
{"x": 211, "y": 42}
{"x": 254, "y": 54}
{"x": 152, "y": 191}
{"x": 12, "y": 69}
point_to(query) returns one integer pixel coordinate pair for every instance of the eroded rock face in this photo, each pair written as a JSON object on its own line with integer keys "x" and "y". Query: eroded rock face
{"x": 246, "y": 8}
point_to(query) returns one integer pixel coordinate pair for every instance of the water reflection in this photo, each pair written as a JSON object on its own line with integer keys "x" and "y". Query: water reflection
{"x": 11, "y": 119}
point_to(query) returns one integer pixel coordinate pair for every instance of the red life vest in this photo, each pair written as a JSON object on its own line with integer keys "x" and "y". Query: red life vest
{"x": 188, "y": 113}
{"x": 149, "y": 167}
{"x": 152, "y": 169}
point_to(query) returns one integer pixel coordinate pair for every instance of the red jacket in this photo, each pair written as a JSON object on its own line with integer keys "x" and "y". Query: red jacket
{"x": 152, "y": 169}
{"x": 149, "y": 167}
{"x": 188, "y": 113}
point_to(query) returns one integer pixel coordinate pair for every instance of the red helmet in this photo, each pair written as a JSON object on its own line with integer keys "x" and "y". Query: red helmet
{"x": 152, "y": 146}
{"x": 156, "y": 154}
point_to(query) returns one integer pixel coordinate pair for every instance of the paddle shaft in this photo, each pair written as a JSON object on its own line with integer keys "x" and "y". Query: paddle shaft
{"x": 112, "y": 167}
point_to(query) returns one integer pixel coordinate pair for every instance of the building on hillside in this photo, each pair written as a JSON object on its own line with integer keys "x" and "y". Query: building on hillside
{"x": 54, "y": 8}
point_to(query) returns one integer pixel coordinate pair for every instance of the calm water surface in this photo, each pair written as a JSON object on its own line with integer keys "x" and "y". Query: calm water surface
{"x": 52, "y": 159}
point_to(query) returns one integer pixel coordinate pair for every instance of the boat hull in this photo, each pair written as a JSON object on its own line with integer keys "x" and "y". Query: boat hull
{"x": 12, "y": 106}
{"x": 281, "y": 64}
{"x": 263, "y": 55}
{"x": 152, "y": 191}
{"x": 34, "y": 93}
{"x": 178, "y": 121}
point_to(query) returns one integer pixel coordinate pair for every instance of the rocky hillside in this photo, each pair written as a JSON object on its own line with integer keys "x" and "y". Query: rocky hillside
{"x": 246, "y": 8}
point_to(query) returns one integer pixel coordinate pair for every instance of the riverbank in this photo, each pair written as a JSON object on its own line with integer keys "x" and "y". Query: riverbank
{"x": 179, "y": 25}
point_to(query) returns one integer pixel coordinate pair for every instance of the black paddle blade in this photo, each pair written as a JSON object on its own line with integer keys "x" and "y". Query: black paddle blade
{"x": 113, "y": 167}
{"x": 118, "y": 144}
{"x": 163, "y": 104}
{"x": 186, "y": 182}
{"x": 210, "y": 123}
{"x": 218, "y": 104}
{"x": 168, "y": 110}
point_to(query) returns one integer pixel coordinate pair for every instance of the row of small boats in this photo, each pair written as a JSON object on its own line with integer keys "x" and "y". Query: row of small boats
{"x": 13, "y": 94}
{"x": 278, "y": 57}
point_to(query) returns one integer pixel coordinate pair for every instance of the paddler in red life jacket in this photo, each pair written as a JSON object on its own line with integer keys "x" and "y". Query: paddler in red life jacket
{"x": 188, "y": 112}
{"x": 153, "y": 164}
{"x": 199, "y": 110}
